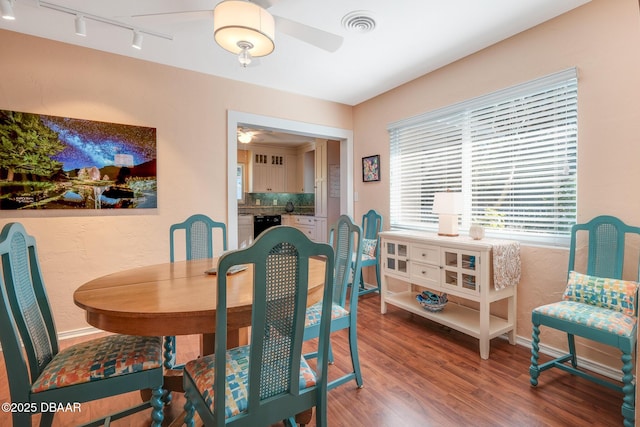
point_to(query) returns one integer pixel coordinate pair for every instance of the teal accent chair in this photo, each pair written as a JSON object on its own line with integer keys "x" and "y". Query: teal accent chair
{"x": 199, "y": 232}
{"x": 269, "y": 380}
{"x": 40, "y": 374}
{"x": 597, "y": 305}
{"x": 346, "y": 242}
{"x": 371, "y": 228}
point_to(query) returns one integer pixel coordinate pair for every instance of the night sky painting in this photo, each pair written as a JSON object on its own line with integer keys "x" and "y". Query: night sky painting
{"x": 49, "y": 162}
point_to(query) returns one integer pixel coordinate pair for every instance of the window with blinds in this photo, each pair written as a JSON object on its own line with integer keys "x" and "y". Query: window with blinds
{"x": 512, "y": 154}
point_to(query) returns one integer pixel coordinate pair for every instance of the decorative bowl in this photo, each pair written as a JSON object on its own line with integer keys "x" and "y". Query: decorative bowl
{"x": 431, "y": 301}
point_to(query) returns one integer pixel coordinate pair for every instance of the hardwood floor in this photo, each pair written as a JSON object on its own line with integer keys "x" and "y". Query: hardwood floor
{"x": 417, "y": 373}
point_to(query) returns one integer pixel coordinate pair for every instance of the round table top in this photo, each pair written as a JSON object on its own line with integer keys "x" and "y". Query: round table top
{"x": 173, "y": 298}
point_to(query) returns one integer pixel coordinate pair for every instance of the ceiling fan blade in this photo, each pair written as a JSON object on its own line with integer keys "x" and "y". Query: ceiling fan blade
{"x": 314, "y": 36}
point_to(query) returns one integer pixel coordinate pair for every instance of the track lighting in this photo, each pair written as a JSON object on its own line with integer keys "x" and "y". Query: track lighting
{"x": 6, "y": 7}
{"x": 137, "y": 40}
{"x": 81, "y": 18}
{"x": 81, "y": 26}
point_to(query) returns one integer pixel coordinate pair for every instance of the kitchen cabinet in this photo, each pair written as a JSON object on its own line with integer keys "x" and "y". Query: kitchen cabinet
{"x": 268, "y": 172}
{"x": 313, "y": 227}
{"x": 245, "y": 230}
{"x": 458, "y": 266}
{"x": 293, "y": 179}
{"x": 321, "y": 181}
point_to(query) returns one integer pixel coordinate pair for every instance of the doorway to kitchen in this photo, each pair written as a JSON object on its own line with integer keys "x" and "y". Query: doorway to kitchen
{"x": 343, "y": 136}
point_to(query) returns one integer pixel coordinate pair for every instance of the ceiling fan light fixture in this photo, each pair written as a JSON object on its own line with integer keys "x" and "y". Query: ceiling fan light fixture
{"x": 238, "y": 22}
{"x": 245, "y": 56}
{"x": 245, "y": 137}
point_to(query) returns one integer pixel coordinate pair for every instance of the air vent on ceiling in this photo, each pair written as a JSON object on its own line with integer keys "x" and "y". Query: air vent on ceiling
{"x": 359, "y": 21}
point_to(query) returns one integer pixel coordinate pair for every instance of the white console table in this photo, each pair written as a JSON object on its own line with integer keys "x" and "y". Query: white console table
{"x": 458, "y": 266}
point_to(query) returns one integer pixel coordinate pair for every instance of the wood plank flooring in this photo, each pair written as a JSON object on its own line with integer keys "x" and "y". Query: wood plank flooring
{"x": 417, "y": 374}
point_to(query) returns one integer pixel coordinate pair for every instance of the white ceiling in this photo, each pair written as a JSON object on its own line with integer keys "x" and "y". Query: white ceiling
{"x": 411, "y": 38}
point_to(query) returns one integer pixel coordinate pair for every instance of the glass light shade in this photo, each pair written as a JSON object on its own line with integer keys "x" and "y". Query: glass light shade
{"x": 236, "y": 21}
{"x": 447, "y": 203}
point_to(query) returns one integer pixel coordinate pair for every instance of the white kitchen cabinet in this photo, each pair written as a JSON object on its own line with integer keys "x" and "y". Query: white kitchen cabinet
{"x": 245, "y": 230}
{"x": 321, "y": 180}
{"x": 458, "y": 266}
{"x": 313, "y": 227}
{"x": 268, "y": 172}
{"x": 293, "y": 178}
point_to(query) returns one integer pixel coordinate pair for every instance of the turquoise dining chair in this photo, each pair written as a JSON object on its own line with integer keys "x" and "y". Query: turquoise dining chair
{"x": 371, "y": 228}
{"x": 199, "y": 236}
{"x": 199, "y": 232}
{"x": 597, "y": 305}
{"x": 269, "y": 380}
{"x": 43, "y": 376}
{"x": 345, "y": 239}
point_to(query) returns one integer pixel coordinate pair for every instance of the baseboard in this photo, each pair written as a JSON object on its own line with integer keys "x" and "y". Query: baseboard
{"x": 75, "y": 333}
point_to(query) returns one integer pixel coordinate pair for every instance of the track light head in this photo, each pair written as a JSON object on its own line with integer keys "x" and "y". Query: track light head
{"x": 81, "y": 26}
{"x": 137, "y": 40}
{"x": 6, "y": 8}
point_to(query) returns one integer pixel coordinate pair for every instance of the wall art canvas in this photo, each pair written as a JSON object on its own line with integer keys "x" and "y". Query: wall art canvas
{"x": 371, "y": 168}
{"x": 50, "y": 162}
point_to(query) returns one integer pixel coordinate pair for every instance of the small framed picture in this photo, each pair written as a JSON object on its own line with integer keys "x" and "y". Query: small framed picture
{"x": 371, "y": 168}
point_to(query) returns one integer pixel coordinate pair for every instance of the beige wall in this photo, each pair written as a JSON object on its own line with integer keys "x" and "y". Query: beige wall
{"x": 189, "y": 111}
{"x": 601, "y": 39}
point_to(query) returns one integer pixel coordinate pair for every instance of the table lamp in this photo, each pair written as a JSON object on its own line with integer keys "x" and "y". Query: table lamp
{"x": 447, "y": 205}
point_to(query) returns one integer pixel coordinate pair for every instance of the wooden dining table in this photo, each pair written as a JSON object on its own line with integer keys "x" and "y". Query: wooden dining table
{"x": 177, "y": 298}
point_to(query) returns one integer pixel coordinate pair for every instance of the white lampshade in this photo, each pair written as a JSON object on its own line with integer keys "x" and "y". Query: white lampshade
{"x": 447, "y": 203}
{"x": 236, "y": 23}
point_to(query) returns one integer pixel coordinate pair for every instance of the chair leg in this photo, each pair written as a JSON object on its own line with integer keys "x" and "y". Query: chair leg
{"x": 629, "y": 390}
{"x": 572, "y": 350}
{"x": 157, "y": 404}
{"x": 45, "y": 420}
{"x": 330, "y": 359}
{"x": 378, "y": 276}
{"x": 169, "y": 352}
{"x": 190, "y": 411}
{"x": 355, "y": 360}
{"x": 534, "y": 372}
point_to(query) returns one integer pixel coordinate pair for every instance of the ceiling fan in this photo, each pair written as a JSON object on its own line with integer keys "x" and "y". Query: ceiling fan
{"x": 246, "y": 28}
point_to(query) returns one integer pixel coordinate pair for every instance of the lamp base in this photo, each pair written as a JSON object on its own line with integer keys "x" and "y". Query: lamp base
{"x": 448, "y": 225}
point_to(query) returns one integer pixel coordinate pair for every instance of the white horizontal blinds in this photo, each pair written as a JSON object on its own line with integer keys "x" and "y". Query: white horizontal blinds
{"x": 523, "y": 170}
{"x": 425, "y": 158}
{"x": 512, "y": 153}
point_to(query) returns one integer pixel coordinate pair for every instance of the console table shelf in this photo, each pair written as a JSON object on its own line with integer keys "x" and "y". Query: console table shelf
{"x": 459, "y": 266}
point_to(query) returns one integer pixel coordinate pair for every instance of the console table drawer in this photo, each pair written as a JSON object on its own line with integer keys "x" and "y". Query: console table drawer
{"x": 426, "y": 253}
{"x": 425, "y": 274}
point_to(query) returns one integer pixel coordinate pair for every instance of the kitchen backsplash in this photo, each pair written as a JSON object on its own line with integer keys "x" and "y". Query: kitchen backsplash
{"x": 276, "y": 203}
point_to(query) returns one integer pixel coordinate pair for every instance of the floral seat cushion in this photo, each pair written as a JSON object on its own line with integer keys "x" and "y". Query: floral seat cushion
{"x": 101, "y": 358}
{"x": 202, "y": 371}
{"x": 601, "y": 318}
{"x": 314, "y": 313}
